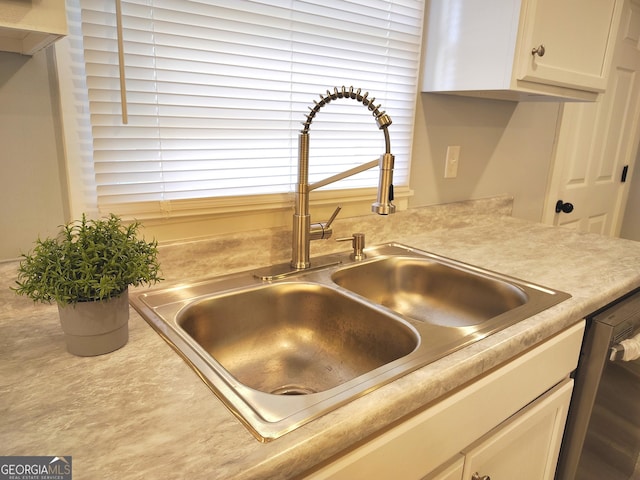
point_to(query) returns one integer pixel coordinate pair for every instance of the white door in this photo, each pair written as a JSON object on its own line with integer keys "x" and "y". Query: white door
{"x": 595, "y": 142}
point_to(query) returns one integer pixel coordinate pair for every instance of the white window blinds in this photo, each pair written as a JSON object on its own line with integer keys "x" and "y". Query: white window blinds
{"x": 217, "y": 90}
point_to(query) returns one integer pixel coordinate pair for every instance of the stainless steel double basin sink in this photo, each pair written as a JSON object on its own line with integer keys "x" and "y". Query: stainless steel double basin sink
{"x": 282, "y": 352}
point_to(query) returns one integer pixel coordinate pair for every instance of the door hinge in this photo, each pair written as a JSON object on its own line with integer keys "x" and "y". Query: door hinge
{"x": 625, "y": 170}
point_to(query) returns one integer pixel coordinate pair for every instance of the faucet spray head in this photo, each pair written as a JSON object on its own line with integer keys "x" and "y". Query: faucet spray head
{"x": 383, "y": 204}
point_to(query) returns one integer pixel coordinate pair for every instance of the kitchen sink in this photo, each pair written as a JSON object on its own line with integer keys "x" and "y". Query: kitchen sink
{"x": 281, "y": 352}
{"x": 295, "y": 338}
{"x": 430, "y": 291}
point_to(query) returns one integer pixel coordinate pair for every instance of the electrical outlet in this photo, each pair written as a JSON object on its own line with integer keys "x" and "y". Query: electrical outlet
{"x": 451, "y": 162}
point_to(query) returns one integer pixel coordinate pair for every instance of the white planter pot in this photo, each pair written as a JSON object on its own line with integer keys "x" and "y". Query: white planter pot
{"x": 95, "y": 328}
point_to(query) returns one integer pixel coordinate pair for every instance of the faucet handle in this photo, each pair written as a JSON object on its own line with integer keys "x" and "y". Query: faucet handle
{"x": 357, "y": 242}
{"x": 333, "y": 217}
{"x": 323, "y": 230}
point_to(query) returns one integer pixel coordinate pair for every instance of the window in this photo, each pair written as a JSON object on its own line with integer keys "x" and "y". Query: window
{"x": 217, "y": 91}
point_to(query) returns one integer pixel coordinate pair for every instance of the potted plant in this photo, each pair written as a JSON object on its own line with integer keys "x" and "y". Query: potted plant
{"x": 87, "y": 270}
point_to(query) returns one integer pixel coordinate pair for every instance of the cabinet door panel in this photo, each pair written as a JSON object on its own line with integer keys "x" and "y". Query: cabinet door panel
{"x": 526, "y": 446}
{"x": 576, "y": 37}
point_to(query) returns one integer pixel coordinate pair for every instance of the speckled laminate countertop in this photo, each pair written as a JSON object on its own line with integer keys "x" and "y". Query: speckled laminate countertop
{"x": 141, "y": 412}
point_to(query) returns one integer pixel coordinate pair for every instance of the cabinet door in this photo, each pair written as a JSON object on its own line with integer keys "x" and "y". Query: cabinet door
{"x": 526, "y": 446}
{"x": 578, "y": 38}
{"x": 29, "y": 26}
{"x": 450, "y": 471}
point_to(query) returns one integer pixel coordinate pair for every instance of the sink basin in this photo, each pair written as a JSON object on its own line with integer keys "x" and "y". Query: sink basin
{"x": 431, "y": 291}
{"x": 281, "y": 351}
{"x": 295, "y": 338}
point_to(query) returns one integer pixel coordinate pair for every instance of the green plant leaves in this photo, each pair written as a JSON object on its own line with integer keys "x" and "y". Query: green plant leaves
{"x": 88, "y": 260}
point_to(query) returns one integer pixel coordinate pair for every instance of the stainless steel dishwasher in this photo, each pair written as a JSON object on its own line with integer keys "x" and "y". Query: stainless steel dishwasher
{"x": 602, "y": 436}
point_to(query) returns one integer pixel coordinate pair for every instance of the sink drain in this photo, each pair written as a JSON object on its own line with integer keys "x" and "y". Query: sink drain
{"x": 293, "y": 390}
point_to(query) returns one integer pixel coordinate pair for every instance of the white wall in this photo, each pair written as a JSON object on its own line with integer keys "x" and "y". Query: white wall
{"x": 506, "y": 147}
{"x": 31, "y": 198}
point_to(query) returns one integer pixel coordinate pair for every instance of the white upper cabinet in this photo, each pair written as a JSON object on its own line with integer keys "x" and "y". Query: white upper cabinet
{"x": 520, "y": 49}
{"x": 27, "y": 26}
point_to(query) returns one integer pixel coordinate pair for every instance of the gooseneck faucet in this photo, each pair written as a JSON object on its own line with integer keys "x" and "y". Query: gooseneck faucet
{"x": 303, "y": 230}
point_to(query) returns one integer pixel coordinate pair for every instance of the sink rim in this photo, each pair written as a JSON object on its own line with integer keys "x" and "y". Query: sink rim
{"x": 291, "y": 411}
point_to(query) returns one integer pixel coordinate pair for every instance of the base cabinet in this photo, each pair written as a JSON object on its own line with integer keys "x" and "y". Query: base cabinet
{"x": 527, "y": 445}
{"x": 506, "y": 425}
{"x": 452, "y": 470}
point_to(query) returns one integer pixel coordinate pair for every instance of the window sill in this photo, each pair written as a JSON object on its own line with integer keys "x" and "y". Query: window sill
{"x": 193, "y": 219}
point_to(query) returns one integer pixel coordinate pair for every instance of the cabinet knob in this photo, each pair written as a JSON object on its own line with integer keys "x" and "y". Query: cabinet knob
{"x": 477, "y": 476}
{"x": 539, "y": 50}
